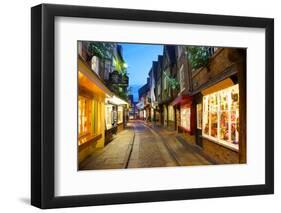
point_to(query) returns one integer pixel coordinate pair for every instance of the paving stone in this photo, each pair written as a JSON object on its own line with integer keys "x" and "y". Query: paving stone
{"x": 152, "y": 147}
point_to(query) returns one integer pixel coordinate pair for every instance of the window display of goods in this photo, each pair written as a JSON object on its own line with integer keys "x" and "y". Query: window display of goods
{"x": 221, "y": 116}
{"x": 185, "y": 117}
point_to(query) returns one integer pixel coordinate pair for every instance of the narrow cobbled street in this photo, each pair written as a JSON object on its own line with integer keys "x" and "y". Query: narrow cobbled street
{"x": 160, "y": 105}
{"x": 141, "y": 145}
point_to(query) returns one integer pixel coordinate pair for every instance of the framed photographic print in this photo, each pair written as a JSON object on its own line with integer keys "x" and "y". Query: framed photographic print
{"x": 139, "y": 106}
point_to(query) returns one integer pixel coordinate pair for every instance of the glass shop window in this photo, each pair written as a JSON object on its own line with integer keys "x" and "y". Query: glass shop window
{"x": 85, "y": 121}
{"x": 185, "y": 117}
{"x": 109, "y": 116}
{"x": 221, "y": 116}
{"x": 120, "y": 114}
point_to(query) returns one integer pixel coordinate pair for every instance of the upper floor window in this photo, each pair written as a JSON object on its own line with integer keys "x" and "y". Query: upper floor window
{"x": 95, "y": 64}
{"x": 211, "y": 51}
{"x": 181, "y": 78}
{"x": 107, "y": 69}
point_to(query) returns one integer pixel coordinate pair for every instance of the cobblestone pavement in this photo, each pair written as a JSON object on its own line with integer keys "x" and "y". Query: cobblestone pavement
{"x": 113, "y": 156}
{"x": 184, "y": 153}
{"x": 149, "y": 149}
{"x": 158, "y": 147}
{"x": 142, "y": 146}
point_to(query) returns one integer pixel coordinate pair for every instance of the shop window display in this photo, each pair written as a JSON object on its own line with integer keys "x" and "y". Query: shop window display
{"x": 120, "y": 114}
{"x": 109, "y": 116}
{"x": 85, "y": 122}
{"x": 185, "y": 118}
{"x": 221, "y": 116}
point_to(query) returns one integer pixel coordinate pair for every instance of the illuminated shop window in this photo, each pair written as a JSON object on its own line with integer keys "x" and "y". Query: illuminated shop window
{"x": 120, "y": 114}
{"x": 85, "y": 121}
{"x": 109, "y": 116}
{"x": 221, "y": 116}
{"x": 185, "y": 117}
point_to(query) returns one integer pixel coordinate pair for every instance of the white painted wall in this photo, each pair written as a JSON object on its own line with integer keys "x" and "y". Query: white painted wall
{"x": 15, "y": 105}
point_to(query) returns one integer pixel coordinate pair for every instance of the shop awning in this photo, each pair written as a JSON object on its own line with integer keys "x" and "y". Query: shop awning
{"x": 182, "y": 99}
{"x": 116, "y": 101}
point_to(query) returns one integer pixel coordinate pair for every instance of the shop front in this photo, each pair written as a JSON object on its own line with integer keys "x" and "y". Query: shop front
{"x": 171, "y": 117}
{"x": 220, "y": 123}
{"x": 185, "y": 117}
{"x": 121, "y": 120}
{"x": 220, "y": 103}
{"x": 91, "y": 110}
{"x": 115, "y": 109}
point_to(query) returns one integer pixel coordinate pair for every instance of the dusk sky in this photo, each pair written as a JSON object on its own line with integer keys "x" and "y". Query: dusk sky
{"x": 139, "y": 59}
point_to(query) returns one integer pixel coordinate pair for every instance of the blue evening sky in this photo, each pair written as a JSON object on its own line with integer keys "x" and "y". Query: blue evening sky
{"x": 139, "y": 58}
